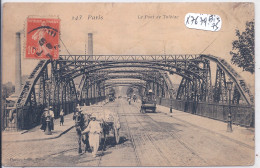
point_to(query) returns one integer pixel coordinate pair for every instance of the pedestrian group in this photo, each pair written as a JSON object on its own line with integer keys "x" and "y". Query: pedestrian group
{"x": 88, "y": 128}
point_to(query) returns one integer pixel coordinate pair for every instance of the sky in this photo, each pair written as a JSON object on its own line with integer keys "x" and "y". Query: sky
{"x": 117, "y": 29}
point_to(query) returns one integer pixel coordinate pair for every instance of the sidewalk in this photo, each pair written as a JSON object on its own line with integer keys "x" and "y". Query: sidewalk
{"x": 243, "y": 136}
{"x": 36, "y": 134}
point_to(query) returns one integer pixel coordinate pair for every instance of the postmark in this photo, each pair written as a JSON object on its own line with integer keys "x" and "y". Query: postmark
{"x": 42, "y": 38}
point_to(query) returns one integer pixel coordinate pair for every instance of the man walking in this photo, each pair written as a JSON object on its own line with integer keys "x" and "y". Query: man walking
{"x": 80, "y": 122}
{"x": 94, "y": 130}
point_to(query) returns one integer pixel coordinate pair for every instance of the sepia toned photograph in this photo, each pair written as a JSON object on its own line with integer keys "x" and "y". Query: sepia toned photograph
{"x": 128, "y": 84}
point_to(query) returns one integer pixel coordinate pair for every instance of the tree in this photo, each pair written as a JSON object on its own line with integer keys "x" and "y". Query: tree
{"x": 7, "y": 90}
{"x": 243, "y": 50}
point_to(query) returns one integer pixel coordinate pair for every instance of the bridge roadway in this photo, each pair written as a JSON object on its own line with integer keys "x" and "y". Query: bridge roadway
{"x": 151, "y": 139}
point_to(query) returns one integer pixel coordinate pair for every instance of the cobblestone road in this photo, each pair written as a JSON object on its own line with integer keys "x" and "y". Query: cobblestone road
{"x": 151, "y": 139}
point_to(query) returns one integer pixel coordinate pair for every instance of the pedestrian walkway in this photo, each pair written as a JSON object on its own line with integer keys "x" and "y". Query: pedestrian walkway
{"x": 36, "y": 134}
{"x": 242, "y": 135}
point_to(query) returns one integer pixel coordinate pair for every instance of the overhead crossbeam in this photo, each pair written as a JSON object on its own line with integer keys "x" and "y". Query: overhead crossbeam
{"x": 109, "y": 58}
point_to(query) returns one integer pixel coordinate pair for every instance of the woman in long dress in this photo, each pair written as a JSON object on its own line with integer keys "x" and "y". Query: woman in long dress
{"x": 61, "y": 117}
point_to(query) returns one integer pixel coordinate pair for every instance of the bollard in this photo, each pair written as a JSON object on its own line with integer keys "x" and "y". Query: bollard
{"x": 48, "y": 127}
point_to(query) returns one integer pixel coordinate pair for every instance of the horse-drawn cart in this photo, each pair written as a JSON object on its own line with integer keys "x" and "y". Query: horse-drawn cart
{"x": 109, "y": 121}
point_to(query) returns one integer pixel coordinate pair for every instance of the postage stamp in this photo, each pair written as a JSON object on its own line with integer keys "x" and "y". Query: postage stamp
{"x": 42, "y": 38}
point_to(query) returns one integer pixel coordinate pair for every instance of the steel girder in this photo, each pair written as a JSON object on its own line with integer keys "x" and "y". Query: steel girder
{"x": 51, "y": 82}
{"x": 154, "y": 77}
{"x": 45, "y": 87}
{"x": 196, "y": 89}
{"x": 220, "y": 89}
{"x": 124, "y": 84}
{"x": 172, "y": 63}
{"x": 183, "y": 65}
{"x": 190, "y": 67}
{"x": 203, "y": 90}
{"x": 140, "y": 87}
{"x": 190, "y": 90}
{"x": 241, "y": 92}
{"x": 93, "y": 68}
{"x": 42, "y": 89}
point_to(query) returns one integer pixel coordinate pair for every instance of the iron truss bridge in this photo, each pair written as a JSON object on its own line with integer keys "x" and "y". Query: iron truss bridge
{"x": 85, "y": 79}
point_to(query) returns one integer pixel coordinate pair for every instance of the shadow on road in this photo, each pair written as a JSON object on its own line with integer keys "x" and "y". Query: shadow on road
{"x": 110, "y": 142}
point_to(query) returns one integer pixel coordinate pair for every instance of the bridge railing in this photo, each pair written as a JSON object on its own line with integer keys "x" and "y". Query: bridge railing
{"x": 242, "y": 115}
{"x": 28, "y": 117}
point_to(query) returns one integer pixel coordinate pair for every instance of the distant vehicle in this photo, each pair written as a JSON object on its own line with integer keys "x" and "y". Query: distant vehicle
{"x": 111, "y": 96}
{"x": 148, "y": 102}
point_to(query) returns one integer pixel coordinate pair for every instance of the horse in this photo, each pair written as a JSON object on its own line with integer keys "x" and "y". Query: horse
{"x": 81, "y": 122}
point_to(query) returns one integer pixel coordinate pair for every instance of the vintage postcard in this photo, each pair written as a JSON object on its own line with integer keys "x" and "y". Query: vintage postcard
{"x": 128, "y": 84}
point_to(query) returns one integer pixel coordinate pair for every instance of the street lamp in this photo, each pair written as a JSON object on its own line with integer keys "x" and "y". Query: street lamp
{"x": 229, "y": 87}
{"x": 48, "y": 121}
{"x": 170, "y": 103}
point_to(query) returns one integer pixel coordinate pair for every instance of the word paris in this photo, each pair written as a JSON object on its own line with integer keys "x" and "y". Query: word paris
{"x": 203, "y": 21}
{"x": 88, "y": 17}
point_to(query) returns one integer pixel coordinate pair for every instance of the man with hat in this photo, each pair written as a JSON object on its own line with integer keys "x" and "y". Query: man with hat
{"x": 77, "y": 109}
{"x": 80, "y": 124}
{"x": 77, "y": 112}
{"x": 79, "y": 118}
{"x": 94, "y": 129}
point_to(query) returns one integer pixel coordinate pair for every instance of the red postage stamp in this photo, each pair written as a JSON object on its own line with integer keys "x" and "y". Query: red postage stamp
{"x": 42, "y": 38}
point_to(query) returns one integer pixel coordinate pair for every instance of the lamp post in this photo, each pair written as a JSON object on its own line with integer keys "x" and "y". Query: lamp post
{"x": 171, "y": 104}
{"x": 229, "y": 87}
{"x": 48, "y": 121}
{"x": 48, "y": 116}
